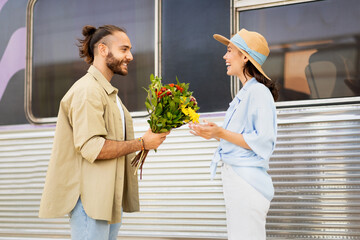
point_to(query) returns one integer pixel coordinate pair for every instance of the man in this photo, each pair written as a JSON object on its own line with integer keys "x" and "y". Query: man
{"x": 90, "y": 176}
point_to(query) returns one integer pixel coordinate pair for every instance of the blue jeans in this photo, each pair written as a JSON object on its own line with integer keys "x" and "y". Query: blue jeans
{"x": 85, "y": 228}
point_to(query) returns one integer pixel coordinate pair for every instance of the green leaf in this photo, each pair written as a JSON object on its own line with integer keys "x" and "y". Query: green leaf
{"x": 153, "y": 102}
{"x": 172, "y": 106}
{"x": 187, "y": 101}
{"x": 148, "y": 106}
{"x": 158, "y": 110}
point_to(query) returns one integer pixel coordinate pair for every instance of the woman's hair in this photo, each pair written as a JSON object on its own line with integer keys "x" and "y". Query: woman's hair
{"x": 250, "y": 69}
{"x": 92, "y": 36}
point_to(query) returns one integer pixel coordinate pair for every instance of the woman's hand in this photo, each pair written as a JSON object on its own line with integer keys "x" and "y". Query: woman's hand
{"x": 211, "y": 130}
{"x": 207, "y": 130}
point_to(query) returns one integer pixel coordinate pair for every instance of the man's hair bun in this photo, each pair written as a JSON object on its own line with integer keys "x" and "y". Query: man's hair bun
{"x": 88, "y": 30}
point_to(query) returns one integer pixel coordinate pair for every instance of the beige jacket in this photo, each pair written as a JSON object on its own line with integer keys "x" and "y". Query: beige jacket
{"x": 87, "y": 116}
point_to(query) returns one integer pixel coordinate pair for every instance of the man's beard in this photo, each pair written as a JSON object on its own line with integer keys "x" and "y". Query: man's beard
{"x": 115, "y": 65}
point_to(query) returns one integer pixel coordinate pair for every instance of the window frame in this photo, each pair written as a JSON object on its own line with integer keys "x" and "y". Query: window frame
{"x": 29, "y": 63}
{"x": 28, "y": 68}
{"x": 243, "y": 5}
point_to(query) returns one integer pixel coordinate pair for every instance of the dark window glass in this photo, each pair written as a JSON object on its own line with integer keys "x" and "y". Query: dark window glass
{"x": 56, "y": 61}
{"x": 190, "y": 52}
{"x": 314, "y": 47}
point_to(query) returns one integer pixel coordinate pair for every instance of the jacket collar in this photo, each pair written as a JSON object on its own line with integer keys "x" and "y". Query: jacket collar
{"x": 240, "y": 95}
{"x": 102, "y": 80}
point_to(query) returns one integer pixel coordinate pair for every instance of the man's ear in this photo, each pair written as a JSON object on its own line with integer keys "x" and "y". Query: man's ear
{"x": 103, "y": 49}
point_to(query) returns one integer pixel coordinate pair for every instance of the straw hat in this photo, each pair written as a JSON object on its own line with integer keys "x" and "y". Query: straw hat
{"x": 252, "y": 44}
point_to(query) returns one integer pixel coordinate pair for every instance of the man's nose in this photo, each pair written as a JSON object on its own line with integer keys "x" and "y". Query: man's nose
{"x": 129, "y": 56}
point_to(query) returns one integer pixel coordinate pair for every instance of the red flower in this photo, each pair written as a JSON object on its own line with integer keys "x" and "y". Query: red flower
{"x": 163, "y": 90}
{"x": 171, "y": 85}
{"x": 179, "y": 88}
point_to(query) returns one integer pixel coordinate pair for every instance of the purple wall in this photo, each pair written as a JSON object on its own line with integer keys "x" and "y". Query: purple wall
{"x": 12, "y": 61}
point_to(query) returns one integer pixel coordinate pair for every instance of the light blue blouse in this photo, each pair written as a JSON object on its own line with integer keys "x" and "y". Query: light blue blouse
{"x": 253, "y": 114}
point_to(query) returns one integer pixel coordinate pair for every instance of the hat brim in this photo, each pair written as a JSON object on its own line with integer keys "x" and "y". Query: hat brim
{"x": 226, "y": 42}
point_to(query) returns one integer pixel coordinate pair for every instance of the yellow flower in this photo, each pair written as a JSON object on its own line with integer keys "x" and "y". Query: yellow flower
{"x": 185, "y": 110}
{"x": 194, "y": 117}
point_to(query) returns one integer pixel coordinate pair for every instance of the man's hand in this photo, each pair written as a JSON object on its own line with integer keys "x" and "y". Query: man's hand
{"x": 153, "y": 140}
{"x": 113, "y": 149}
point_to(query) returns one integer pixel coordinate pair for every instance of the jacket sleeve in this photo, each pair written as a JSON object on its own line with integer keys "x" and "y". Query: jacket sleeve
{"x": 262, "y": 115}
{"x": 87, "y": 118}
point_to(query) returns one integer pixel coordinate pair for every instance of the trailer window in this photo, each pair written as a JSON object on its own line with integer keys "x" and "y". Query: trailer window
{"x": 56, "y": 64}
{"x": 314, "y": 47}
{"x": 190, "y": 52}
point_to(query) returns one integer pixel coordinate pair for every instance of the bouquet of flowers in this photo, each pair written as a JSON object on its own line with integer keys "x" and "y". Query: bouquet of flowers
{"x": 170, "y": 106}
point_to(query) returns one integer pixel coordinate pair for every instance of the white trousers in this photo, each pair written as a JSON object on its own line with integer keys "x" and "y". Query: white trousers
{"x": 246, "y": 208}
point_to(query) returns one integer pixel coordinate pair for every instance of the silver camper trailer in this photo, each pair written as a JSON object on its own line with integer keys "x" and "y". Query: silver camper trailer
{"x": 315, "y": 58}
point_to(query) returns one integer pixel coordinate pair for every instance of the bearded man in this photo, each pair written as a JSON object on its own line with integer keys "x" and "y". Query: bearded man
{"x": 90, "y": 176}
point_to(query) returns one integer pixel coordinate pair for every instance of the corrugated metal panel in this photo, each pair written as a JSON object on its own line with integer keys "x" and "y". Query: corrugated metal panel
{"x": 24, "y": 158}
{"x": 315, "y": 169}
{"x": 177, "y": 198}
{"x": 316, "y": 172}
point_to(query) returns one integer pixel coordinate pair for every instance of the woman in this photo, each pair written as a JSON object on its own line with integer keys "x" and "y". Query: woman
{"x": 247, "y": 137}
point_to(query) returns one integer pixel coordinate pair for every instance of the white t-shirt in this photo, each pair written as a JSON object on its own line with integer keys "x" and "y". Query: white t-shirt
{"x": 121, "y": 114}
